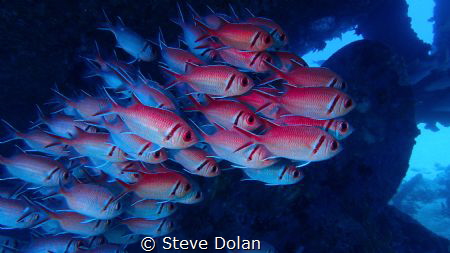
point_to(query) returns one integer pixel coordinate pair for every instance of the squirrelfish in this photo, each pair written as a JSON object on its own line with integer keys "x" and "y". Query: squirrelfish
{"x": 54, "y": 244}
{"x": 36, "y": 169}
{"x": 308, "y": 77}
{"x": 17, "y": 213}
{"x": 92, "y": 200}
{"x": 278, "y": 174}
{"x": 37, "y": 139}
{"x": 286, "y": 61}
{"x": 96, "y": 145}
{"x": 162, "y": 185}
{"x": 195, "y": 161}
{"x": 339, "y": 128}
{"x": 160, "y": 126}
{"x": 151, "y": 209}
{"x": 218, "y": 80}
{"x": 316, "y": 103}
{"x": 245, "y": 60}
{"x": 130, "y": 41}
{"x": 302, "y": 143}
{"x": 227, "y": 113}
{"x": 76, "y": 223}
{"x": 237, "y": 148}
{"x": 136, "y": 147}
{"x": 176, "y": 58}
{"x": 153, "y": 228}
{"x": 242, "y": 36}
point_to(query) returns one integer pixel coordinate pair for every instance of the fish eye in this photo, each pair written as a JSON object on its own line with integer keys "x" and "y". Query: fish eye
{"x": 187, "y": 136}
{"x": 334, "y": 146}
{"x": 344, "y": 127}
{"x": 282, "y": 37}
{"x": 66, "y": 175}
{"x": 171, "y": 207}
{"x": 296, "y": 174}
{"x": 188, "y": 187}
{"x": 118, "y": 206}
{"x": 157, "y": 154}
{"x": 135, "y": 175}
{"x": 267, "y": 40}
{"x": 344, "y": 85}
{"x": 244, "y": 81}
{"x": 214, "y": 169}
{"x": 251, "y": 119}
{"x": 348, "y": 103}
{"x": 198, "y": 195}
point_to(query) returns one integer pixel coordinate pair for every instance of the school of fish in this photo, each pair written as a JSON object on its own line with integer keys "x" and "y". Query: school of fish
{"x": 95, "y": 173}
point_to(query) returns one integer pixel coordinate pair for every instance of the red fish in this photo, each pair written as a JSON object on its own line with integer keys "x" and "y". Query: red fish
{"x": 218, "y": 80}
{"x": 96, "y": 145}
{"x": 242, "y": 36}
{"x": 92, "y": 200}
{"x": 195, "y": 161}
{"x": 286, "y": 61}
{"x": 236, "y": 148}
{"x": 308, "y": 77}
{"x": 76, "y": 223}
{"x": 153, "y": 228}
{"x": 37, "y": 139}
{"x": 36, "y": 169}
{"x": 164, "y": 185}
{"x": 227, "y": 113}
{"x": 278, "y": 35}
{"x": 176, "y": 58}
{"x": 316, "y": 103}
{"x": 339, "y": 128}
{"x": 160, "y": 126}
{"x": 302, "y": 143}
{"x": 246, "y": 60}
{"x": 263, "y": 104}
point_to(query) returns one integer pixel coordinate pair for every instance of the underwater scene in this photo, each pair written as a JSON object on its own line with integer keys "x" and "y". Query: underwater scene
{"x": 225, "y": 126}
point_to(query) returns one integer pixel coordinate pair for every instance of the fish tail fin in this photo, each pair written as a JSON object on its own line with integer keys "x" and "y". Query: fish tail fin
{"x": 178, "y": 77}
{"x": 208, "y": 31}
{"x": 13, "y": 133}
{"x": 196, "y": 105}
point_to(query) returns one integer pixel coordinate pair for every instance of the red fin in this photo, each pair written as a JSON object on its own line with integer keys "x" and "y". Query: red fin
{"x": 209, "y": 31}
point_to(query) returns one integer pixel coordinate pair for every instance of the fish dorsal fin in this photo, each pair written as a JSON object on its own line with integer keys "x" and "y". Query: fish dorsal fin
{"x": 190, "y": 66}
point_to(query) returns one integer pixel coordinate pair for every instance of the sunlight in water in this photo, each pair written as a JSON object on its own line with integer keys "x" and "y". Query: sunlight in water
{"x": 316, "y": 58}
{"x": 421, "y": 12}
{"x": 431, "y": 148}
